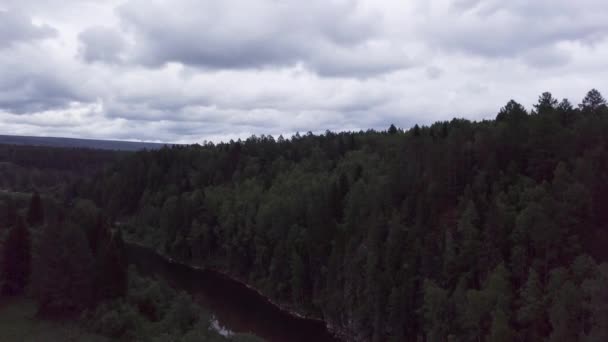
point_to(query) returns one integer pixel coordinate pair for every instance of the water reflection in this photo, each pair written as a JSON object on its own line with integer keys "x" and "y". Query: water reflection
{"x": 235, "y": 307}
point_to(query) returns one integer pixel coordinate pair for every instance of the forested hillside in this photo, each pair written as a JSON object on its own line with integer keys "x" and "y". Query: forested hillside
{"x": 47, "y": 169}
{"x": 64, "y": 277}
{"x": 492, "y": 230}
{"x": 113, "y": 145}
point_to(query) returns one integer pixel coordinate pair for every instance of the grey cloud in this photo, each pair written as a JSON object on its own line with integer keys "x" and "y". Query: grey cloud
{"x": 16, "y": 27}
{"x": 101, "y": 44}
{"x": 29, "y": 86}
{"x": 433, "y": 72}
{"x": 546, "y": 57}
{"x": 281, "y": 66}
{"x": 29, "y": 93}
{"x": 331, "y": 38}
{"x": 496, "y": 28}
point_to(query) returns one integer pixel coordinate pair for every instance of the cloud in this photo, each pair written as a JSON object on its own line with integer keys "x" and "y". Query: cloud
{"x": 188, "y": 71}
{"x": 433, "y": 72}
{"x": 506, "y": 29}
{"x": 101, "y": 44}
{"x": 15, "y": 28}
{"x": 546, "y": 57}
{"x": 329, "y": 37}
{"x": 29, "y": 85}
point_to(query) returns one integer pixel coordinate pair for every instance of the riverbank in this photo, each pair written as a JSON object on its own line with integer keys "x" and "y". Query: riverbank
{"x": 288, "y": 310}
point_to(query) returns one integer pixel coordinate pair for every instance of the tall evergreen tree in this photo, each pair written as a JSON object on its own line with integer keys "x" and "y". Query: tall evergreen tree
{"x": 392, "y": 129}
{"x": 546, "y": 104}
{"x": 512, "y": 112}
{"x": 63, "y": 270}
{"x": 500, "y": 330}
{"x": 16, "y": 261}
{"x": 35, "y": 212}
{"x": 597, "y": 292}
{"x": 531, "y": 314}
{"x": 112, "y": 266}
{"x": 11, "y": 212}
{"x": 435, "y": 311}
{"x": 592, "y": 101}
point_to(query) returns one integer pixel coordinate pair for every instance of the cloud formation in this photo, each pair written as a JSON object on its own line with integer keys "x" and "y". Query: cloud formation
{"x": 101, "y": 44}
{"x": 329, "y": 37}
{"x": 15, "y": 27}
{"x": 493, "y": 28}
{"x": 194, "y": 70}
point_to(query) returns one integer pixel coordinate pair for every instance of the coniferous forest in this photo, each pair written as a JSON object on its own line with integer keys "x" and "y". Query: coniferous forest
{"x": 459, "y": 231}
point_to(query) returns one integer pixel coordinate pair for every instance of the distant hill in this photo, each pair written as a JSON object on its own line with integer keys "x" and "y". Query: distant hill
{"x": 82, "y": 143}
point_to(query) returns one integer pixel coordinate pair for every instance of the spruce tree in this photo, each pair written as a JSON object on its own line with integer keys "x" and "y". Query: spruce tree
{"x": 592, "y": 101}
{"x": 111, "y": 268}
{"x": 16, "y": 259}
{"x": 35, "y": 212}
{"x": 64, "y": 272}
{"x": 10, "y": 213}
{"x": 531, "y": 314}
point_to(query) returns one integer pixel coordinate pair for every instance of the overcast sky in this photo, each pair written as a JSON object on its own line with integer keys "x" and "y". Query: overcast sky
{"x": 194, "y": 70}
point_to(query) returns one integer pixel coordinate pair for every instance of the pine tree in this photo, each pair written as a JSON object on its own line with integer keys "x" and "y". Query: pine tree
{"x": 449, "y": 258}
{"x": 99, "y": 235}
{"x": 11, "y": 212}
{"x": 500, "y": 330}
{"x": 592, "y": 101}
{"x": 35, "y": 213}
{"x": 546, "y": 104}
{"x": 297, "y": 278}
{"x": 63, "y": 270}
{"x": 597, "y": 291}
{"x": 416, "y": 130}
{"x": 112, "y": 266}
{"x": 396, "y": 314}
{"x": 566, "y": 112}
{"x": 16, "y": 261}
{"x": 512, "y": 112}
{"x": 435, "y": 311}
{"x": 392, "y": 129}
{"x": 470, "y": 238}
{"x": 565, "y": 313}
{"x": 531, "y": 314}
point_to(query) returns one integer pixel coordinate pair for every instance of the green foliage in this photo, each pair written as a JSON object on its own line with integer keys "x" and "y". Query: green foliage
{"x": 500, "y": 331}
{"x": 461, "y": 230}
{"x": 152, "y": 311}
{"x": 116, "y": 320}
{"x": 16, "y": 259}
{"x": 593, "y": 101}
{"x": 35, "y": 213}
{"x": 435, "y": 311}
{"x": 532, "y": 309}
{"x": 63, "y": 269}
{"x": 19, "y": 322}
{"x": 596, "y": 291}
{"x": 49, "y": 170}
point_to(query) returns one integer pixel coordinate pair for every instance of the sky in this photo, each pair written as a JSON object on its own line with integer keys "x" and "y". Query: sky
{"x": 187, "y": 71}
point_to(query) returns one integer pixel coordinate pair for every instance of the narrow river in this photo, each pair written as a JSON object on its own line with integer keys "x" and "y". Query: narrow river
{"x": 236, "y": 307}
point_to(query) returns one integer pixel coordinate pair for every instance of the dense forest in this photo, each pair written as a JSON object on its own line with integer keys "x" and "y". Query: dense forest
{"x": 75, "y": 269}
{"x": 462, "y": 231}
{"x": 50, "y": 170}
{"x": 61, "y": 252}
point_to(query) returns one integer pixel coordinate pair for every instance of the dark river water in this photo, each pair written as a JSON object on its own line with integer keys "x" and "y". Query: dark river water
{"x": 236, "y": 307}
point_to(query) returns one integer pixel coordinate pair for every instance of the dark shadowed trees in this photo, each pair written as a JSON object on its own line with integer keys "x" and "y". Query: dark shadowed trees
{"x": 35, "y": 212}
{"x": 546, "y": 104}
{"x": 593, "y": 101}
{"x": 462, "y": 230}
{"x": 63, "y": 270}
{"x": 16, "y": 261}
